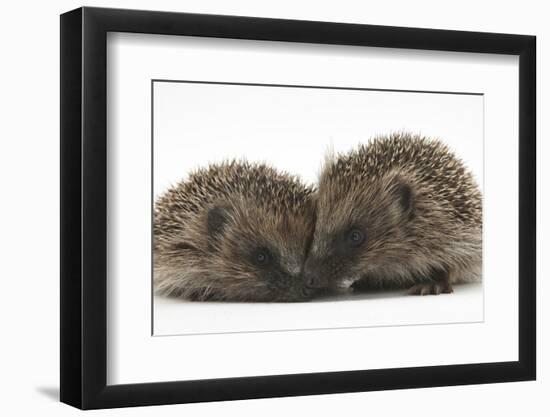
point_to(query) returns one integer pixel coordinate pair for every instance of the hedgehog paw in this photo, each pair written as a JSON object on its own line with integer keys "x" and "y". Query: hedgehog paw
{"x": 434, "y": 288}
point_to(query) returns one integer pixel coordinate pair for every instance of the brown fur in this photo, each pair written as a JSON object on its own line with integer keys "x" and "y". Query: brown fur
{"x": 417, "y": 208}
{"x": 209, "y": 230}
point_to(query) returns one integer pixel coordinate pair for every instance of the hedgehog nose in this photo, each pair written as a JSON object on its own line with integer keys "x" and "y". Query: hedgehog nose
{"x": 312, "y": 281}
{"x": 306, "y": 292}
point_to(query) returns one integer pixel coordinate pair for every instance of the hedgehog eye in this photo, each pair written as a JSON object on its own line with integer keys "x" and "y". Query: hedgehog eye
{"x": 262, "y": 257}
{"x": 355, "y": 237}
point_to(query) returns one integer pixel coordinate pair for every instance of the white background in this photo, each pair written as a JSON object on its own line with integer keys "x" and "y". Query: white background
{"x": 29, "y": 169}
{"x": 292, "y": 128}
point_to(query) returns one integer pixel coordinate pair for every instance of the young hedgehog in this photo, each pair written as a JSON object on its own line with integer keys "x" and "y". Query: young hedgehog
{"x": 234, "y": 231}
{"x": 399, "y": 212}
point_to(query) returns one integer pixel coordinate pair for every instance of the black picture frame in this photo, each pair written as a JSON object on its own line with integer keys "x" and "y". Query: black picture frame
{"x": 84, "y": 222}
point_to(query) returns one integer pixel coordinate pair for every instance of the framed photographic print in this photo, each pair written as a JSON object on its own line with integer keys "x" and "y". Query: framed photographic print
{"x": 257, "y": 207}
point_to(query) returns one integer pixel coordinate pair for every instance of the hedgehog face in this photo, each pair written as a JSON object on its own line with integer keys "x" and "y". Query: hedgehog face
{"x": 361, "y": 227}
{"x": 256, "y": 254}
{"x": 237, "y": 250}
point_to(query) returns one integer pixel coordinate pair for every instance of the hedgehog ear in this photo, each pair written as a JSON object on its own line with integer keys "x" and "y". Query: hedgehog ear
{"x": 403, "y": 193}
{"x": 405, "y": 196}
{"x": 217, "y": 218}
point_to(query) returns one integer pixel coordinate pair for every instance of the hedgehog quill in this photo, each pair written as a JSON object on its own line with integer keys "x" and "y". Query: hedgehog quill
{"x": 234, "y": 231}
{"x": 399, "y": 212}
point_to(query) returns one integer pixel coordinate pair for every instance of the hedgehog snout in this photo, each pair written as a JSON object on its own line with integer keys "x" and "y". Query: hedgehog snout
{"x": 314, "y": 275}
{"x": 295, "y": 290}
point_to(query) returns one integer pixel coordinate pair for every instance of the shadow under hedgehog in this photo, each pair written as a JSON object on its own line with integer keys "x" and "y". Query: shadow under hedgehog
{"x": 234, "y": 231}
{"x": 399, "y": 212}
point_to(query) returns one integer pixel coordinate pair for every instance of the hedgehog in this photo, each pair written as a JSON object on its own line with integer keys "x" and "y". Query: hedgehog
{"x": 234, "y": 231}
{"x": 401, "y": 211}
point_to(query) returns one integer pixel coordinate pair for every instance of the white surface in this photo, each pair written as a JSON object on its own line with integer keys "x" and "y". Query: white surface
{"x": 29, "y": 309}
{"x": 134, "y": 356}
{"x": 388, "y": 308}
{"x": 292, "y": 128}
